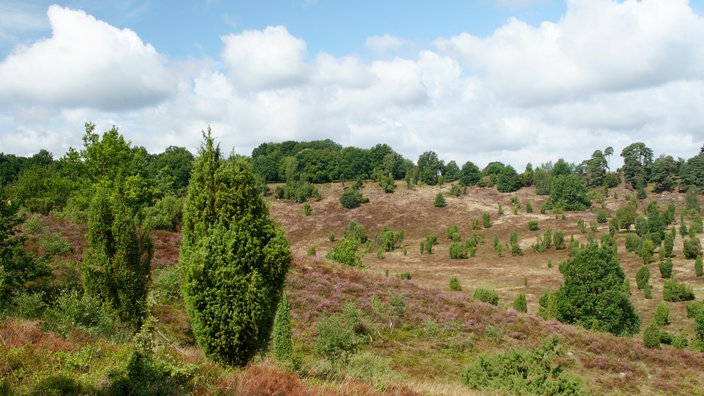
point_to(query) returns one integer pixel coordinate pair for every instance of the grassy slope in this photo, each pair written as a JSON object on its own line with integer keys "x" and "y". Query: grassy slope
{"x": 423, "y": 350}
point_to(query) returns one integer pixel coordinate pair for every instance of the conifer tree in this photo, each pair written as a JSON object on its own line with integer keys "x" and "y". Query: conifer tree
{"x": 117, "y": 262}
{"x": 283, "y": 339}
{"x": 233, "y": 257}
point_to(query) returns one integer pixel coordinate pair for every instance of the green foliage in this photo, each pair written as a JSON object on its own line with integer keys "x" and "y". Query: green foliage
{"x": 676, "y": 292}
{"x": 470, "y": 174}
{"x": 637, "y": 163}
{"x": 668, "y": 245}
{"x": 387, "y": 183}
{"x": 346, "y": 252}
{"x": 634, "y": 243}
{"x": 282, "y": 339}
{"x": 453, "y": 233}
{"x": 601, "y": 216}
{"x": 698, "y": 268}
{"x": 529, "y": 207}
{"x": 429, "y": 167}
{"x": 117, "y": 262}
{"x": 680, "y": 340}
{"x": 691, "y": 199}
{"x": 646, "y": 250}
{"x": 82, "y": 311}
{"x": 166, "y": 214}
{"x": 167, "y": 285}
{"x": 651, "y": 336}
{"x": 692, "y": 247}
{"x": 387, "y": 239}
{"x": 439, "y": 201}
{"x": 612, "y": 180}
{"x": 515, "y": 247}
{"x": 455, "y": 190}
{"x": 146, "y": 375}
{"x": 533, "y": 225}
{"x": 662, "y": 314}
{"x": 307, "y": 211}
{"x": 559, "y": 240}
{"x": 430, "y": 241}
{"x": 486, "y": 220}
{"x": 520, "y": 304}
{"x": 351, "y": 199}
{"x": 404, "y": 276}
{"x": 593, "y": 295}
{"x": 18, "y": 270}
{"x": 508, "y": 180}
{"x": 458, "y": 250}
{"x": 647, "y": 291}
{"x": 569, "y": 193}
{"x": 486, "y": 295}
{"x": 665, "y": 268}
{"x": 548, "y": 305}
{"x": 642, "y": 276}
{"x": 535, "y": 372}
{"x": 455, "y": 284}
{"x": 233, "y": 256}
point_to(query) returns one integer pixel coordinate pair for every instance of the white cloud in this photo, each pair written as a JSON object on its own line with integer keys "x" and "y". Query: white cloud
{"x": 86, "y": 63}
{"x": 265, "y": 59}
{"x": 522, "y": 94}
{"x": 384, "y": 44}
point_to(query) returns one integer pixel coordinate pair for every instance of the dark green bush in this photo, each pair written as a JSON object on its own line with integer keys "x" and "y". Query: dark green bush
{"x": 439, "y": 201}
{"x": 601, "y": 216}
{"x": 665, "y": 268}
{"x": 534, "y": 372}
{"x": 662, "y": 314}
{"x": 675, "y": 292}
{"x": 486, "y": 295}
{"x": 455, "y": 284}
{"x": 698, "y": 269}
{"x": 351, "y": 199}
{"x": 404, "y": 276}
{"x": 651, "y": 336}
{"x": 533, "y": 225}
{"x": 642, "y": 276}
{"x": 520, "y": 304}
{"x": 458, "y": 250}
{"x": 692, "y": 248}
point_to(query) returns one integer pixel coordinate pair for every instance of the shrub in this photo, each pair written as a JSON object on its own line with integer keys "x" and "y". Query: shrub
{"x": 692, "y": 248}
{"x": 515, "y": 247}
{"x": 668, "y": 245}
{"x": 351, "y": 199}
{"x": 455, "y": 190}
{"x": 282, "y": 338}
{"x": 675, "y": 292}
{"x": 651, "y": 336}
{"x": 439, "y": 201}
{"x": 520, "y": 304}
{"x": 647, "y": 291}
{"x": 356, "y": 232}
{"x": 331, "y": 237}
{"x": 166, "y": 214}
{"x": 486, "y": 295}
{"x": 167, "y": 285}
{"x": 559, "y": 240}
{"x": 458, "y": 250}
{"x": 523, "y": 372}
{"x": 547, "y": 305}
{"x": 642, "y": 276}
{"x": 698, "y": 270}
{"x": 312, "y": 250}
{"x": 662, "y": 314}
{"x": 335, "y": 341}
{"x": 387, "y": 183}
{"x": 601, "y": 216}
{"x": 233, "y": 256}
{"x": 533, "y": 225}
{"x": 665, "y": 269}
{"x": 680, "y": 340}
{"x": 453, "y": 233}
{"x": 307, "y": 211}
{"x": 404, "y": 276}
{"x": 529, "y": 207}
{"x": 430, "y": 241}
{"x": 388, "y": 240}
{"x": 634, "y": 243}
{"x": 345, "y": 252}
{"x": 455, "y": 284}
{"x": 486, "y": 219}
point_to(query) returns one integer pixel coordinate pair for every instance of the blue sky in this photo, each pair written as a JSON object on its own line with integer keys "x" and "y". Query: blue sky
{"x": 512, "y": 80}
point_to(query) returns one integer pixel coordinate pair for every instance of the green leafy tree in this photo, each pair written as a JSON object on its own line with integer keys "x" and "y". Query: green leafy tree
{"x": 508, "y": 180}
{"x": 117, "y": 262}
{"x": 693, "y": 173}
{"x": 561, "y": 168}
{"x": 570, "y": 193}
{"x": 234, "y": 258}
{"x": 664, "y": 174}
{"x": 637, "y": 163}
{"x": 282, "y": 339}
{"x": 470, "y": 174}
{"x": 593, "y": 295}
{"x": 451, "y": 171}
{"x": 429, "y": 167}
{"x": 596, "y": 169}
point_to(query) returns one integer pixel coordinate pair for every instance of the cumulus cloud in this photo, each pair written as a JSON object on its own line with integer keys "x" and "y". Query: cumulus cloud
{"x": 597, "y": 46}
{"x": 265, "y": 59}
{"x": 85, "y": 62}
{"x": 521, "y": 94}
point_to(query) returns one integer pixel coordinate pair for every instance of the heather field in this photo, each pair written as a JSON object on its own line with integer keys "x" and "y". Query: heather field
{"x": 409, "y": 336}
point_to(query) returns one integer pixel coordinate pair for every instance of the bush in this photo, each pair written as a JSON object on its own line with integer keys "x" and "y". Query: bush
{"x": 611, "y": 180}
{"x": 167, "y": 285}
{"x": 692, "y": 248}
{"x": 601, "y": 216}
{"x": 651, "y": 336}
{"x": 698, "y": 270}
{"x": 388, "y": 240}
{"x": 486, "y": 220}
{"x": 662, "y": 314}
{"x": 665, "y": 269}
{"x": 345, "y": 252}
{"x": 351, "y": 199}
{"x": 439, "y": 201}
{"x": 634, "y": 243}
{"x": 312, "y": 250}
{"x": 458, "y": 250}
{"x": 642, "y": 276}
{"x": 166, "y": 214}
{"x": 515, "y": 247}
{"x": 533, "y": 225}
{"x": 529, "y": 207}
{"x": 404, "y": 276}
{"x": 647, "y": 291}
{"x": 335, "y": 341}
{"x": 547, "y": 305}
{"x": 455, "y": 190}
{"x": 559, "y": 240}
{"x": 523, "y": 372}
{"x": 675, "y": 292}
{"x": 520, "y": 304}
{"x": 486, "y": 295}
{"x": 356, "y": 232}
{"x": 455, "y": 284}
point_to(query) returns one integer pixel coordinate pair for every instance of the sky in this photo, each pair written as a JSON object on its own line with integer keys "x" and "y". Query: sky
{"x": 516, "y": 81}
